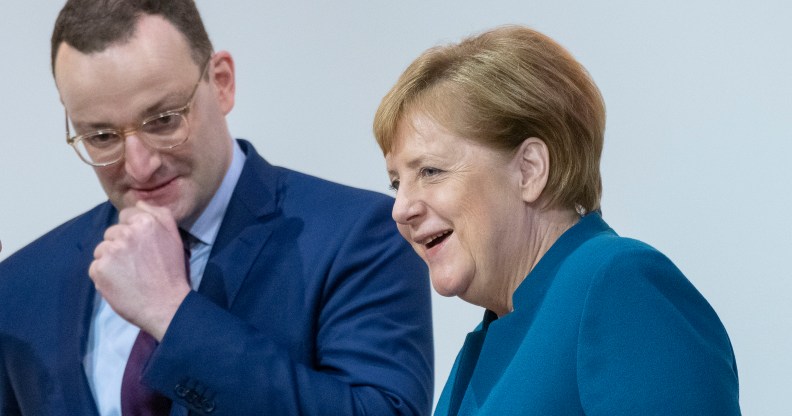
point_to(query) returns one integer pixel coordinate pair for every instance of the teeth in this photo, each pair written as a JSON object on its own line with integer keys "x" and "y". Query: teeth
{"x": 436, "y": 236}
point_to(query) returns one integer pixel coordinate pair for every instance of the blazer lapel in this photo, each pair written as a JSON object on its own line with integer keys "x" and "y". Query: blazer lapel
{"x": 468, "y": 361}
{"x": 76, "y": 305}
{"x": 246, "y": 228}
{"x": 227, "y": 268}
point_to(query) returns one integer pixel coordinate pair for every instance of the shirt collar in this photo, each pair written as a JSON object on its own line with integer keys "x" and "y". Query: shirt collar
{"x": 207, "y": 225}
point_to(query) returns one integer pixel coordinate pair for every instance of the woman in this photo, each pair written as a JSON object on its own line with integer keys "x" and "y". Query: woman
{"x": 493, "y": 148}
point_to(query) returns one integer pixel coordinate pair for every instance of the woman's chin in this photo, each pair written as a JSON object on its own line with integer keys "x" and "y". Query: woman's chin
{"x": 447, "y": 286}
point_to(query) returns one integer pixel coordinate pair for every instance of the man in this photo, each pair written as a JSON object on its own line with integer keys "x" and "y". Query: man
{"x": 291, "y": 295}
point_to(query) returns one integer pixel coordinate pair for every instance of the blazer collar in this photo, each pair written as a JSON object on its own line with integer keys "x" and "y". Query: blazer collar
{"x": 468, "y": 358}
{"x": 245, "y": 228}
{"x": 76, "y": 305}
{"x": 537, "y": 281}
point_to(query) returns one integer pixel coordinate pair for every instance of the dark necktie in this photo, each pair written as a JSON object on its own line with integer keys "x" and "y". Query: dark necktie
{"x": 137, "y": 399}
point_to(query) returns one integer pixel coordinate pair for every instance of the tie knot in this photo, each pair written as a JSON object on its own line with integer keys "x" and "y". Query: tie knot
{"x": 187, "y": 241}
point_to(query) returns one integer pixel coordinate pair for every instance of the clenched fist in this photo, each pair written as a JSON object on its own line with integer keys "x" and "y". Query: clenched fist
{"x": 139, "y": 268}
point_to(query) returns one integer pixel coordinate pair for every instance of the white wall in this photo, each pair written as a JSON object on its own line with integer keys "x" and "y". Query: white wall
{"x": 695, "y": 163}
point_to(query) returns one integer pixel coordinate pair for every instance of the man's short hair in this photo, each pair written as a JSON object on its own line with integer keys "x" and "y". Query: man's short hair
{"x": 93, "y": 25}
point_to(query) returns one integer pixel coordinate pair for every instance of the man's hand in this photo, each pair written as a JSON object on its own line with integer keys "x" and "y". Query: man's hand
{"x": 139, "y": 268}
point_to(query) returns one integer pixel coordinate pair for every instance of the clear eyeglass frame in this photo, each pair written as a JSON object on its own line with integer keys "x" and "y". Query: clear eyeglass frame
{"x": 170, "y": 136}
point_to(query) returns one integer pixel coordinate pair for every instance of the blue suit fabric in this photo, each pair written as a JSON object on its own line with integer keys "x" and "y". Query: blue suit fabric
{"x": 311, "y": 303}
{"x": 603, "y": 325}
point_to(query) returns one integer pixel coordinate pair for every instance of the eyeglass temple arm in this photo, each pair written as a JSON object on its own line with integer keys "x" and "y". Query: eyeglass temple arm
{"x": 66, "y": 130}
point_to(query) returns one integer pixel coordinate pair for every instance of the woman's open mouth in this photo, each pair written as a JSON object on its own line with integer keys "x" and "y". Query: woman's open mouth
{"x": 437, "y": 239}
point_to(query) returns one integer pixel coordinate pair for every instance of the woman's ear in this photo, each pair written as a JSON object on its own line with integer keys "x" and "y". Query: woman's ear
{"x": 221, "y": 75}
{"x": 533, "y": 160}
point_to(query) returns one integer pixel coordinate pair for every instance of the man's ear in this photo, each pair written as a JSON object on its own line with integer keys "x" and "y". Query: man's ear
{"x": 533, "y": 160}
{"x": 221, "y": 75}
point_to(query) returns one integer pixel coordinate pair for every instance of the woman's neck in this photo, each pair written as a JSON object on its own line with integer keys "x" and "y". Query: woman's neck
{"x": 540, "y": 231}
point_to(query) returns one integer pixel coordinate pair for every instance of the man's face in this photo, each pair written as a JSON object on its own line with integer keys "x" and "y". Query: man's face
{"x": 126, "y": 83}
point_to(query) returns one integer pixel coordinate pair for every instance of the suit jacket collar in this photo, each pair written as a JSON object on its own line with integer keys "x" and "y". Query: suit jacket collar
{"x": 468, "y": 358}
{"x": 537, "y": 281}
{"x": 76, "y": 305}
{"x": 245, "y": 229}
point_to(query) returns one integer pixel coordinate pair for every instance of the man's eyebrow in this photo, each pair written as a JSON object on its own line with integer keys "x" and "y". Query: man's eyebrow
{"x": 90, "y": 126}
{"x": 170, "y": 101}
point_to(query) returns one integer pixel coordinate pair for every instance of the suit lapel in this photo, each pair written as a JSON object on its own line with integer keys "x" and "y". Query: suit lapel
{"x": 228, "y": 266}
{"x": 468, "y": 362}
{"x": 245, "y": 230}
{"x": 76, "y": 305}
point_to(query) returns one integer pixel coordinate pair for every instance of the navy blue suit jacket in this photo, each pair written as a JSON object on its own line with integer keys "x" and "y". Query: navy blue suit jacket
{"x": 310, "y": 303}
{"x": 603, "y": 325}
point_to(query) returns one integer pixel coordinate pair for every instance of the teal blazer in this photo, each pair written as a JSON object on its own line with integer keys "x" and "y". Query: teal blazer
{"x": 603, "y": 325}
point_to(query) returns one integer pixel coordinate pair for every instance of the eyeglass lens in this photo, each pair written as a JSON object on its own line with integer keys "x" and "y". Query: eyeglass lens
{"x": 164, "y": 131}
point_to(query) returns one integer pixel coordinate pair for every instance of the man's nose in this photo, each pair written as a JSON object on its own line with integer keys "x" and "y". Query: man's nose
{"x": 140, "y": 160}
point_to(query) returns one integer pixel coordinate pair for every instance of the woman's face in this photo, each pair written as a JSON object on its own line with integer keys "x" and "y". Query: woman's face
{"x": 456, "y": 203}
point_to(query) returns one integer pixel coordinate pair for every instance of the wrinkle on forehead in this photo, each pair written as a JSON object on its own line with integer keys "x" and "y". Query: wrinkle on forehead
{"x": 420, "y": 140}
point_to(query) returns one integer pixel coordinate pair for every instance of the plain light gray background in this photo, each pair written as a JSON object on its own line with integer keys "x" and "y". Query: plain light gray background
{"x": 696, "y": 152}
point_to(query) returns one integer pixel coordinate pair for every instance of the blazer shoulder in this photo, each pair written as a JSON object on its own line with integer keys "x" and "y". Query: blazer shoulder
{"x": 50, "y": 251}
{"x": 265, "y": 187}
{"x": 608, "y": 249}
{"x": 49, "y": 276}
{"x": 332, "y": 197}
{"x": 638, "y": 301}
{"x": 608, "y": 265}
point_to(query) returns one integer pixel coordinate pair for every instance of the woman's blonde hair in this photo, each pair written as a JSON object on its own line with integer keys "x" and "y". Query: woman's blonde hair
{"x": 500, "y": 88}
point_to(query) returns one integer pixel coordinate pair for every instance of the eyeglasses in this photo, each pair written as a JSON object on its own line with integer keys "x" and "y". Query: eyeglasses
{"x": 163, "y": 131}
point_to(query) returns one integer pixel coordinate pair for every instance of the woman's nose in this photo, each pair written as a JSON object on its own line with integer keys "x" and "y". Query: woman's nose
{"x": 408, "y": 207}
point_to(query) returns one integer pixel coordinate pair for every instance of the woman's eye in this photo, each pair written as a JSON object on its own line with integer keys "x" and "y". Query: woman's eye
{"x": 394, "y": 185}
{"x": 428, "y": 171}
